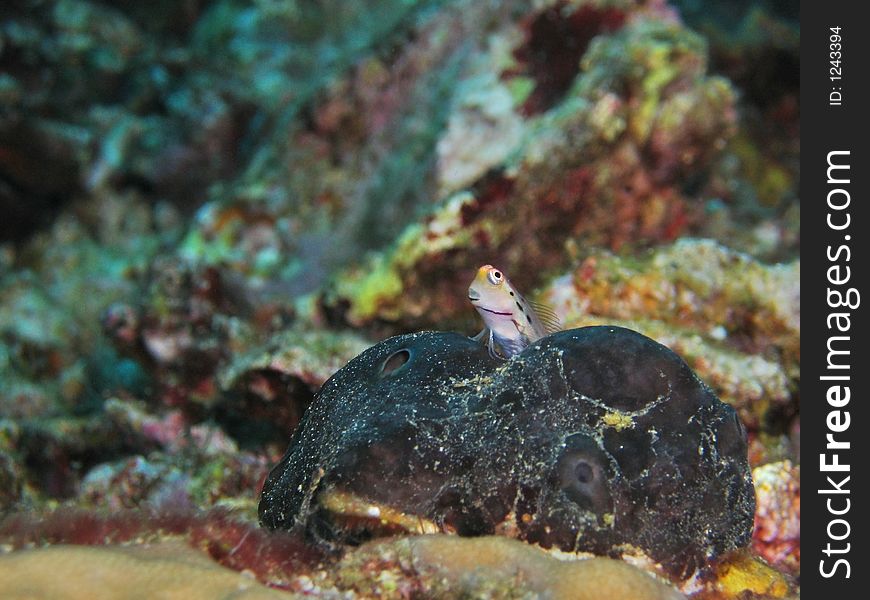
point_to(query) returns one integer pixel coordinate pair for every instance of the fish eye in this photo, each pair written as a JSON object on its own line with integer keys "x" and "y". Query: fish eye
{"x": 495, "y": 277}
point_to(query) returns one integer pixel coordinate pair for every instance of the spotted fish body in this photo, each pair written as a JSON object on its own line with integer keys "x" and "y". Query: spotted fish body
{"x": 510, "y": 322}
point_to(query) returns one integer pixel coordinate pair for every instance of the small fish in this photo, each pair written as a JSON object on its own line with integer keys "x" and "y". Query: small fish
{"x": 510, "y": 322}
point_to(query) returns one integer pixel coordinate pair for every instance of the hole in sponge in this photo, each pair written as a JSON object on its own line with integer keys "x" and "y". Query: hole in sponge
{"x": 396, "y": 362}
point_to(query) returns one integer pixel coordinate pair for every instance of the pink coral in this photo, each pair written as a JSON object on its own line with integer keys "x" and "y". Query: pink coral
{"x": 778, "y": 514}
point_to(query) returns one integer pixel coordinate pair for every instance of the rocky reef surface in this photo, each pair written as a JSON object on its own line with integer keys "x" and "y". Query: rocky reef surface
{"x": 210, "y": 207}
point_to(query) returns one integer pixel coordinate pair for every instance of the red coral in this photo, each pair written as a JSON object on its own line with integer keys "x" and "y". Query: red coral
{"x": 556, "y": 39}
{"x": 492, "y": 190}
{"x": 242, "y": 546}
{"x": 231, "y": 541}
{"x": 777, "y": 532}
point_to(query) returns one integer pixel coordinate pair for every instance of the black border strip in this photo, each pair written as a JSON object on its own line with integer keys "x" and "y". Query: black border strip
{"x": 841, "y": 127}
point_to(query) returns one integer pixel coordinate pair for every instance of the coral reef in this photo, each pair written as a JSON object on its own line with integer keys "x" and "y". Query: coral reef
{"x": 226, "y": 536}
{"x": 52, "y": 352}
{"x": 442, "y": 566}
{"x": 163, "y": 481}
{"x": 493, "y": 567}
{"x": 208, "y": 545}
{"x": 275, "y": 381}
{"x": 742, "y": 575}
{"x": 599, "y": 168}
{"x": 164, "y": 570}
{"x": 579, "y": 443}
{"x": 432, "y": 565}
{"x": 211, "y": 206}
{"x": 13, "y": 484}
{"x": 777, "y": 532}
{"x": 734, "y": 319}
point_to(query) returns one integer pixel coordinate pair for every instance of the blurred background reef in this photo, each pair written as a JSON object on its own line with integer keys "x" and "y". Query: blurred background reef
{"x": 207, "y": 207}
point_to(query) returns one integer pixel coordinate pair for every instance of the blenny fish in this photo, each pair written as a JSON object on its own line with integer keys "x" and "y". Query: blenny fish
{"x": 510, "y": 321}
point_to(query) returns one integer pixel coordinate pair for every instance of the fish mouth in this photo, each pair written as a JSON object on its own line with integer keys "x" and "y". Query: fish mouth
{"x": 495, "y": 312}
{"x": 475, "y": 298}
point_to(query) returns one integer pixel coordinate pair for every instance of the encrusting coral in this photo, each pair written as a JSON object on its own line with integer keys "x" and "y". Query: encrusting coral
{"x": 166, "y": 570}
{"x": 734, "y": 319}
{"x": 433, "y": 565}
{"x": 493, "y": 567}
{"x": 777, "y": 532}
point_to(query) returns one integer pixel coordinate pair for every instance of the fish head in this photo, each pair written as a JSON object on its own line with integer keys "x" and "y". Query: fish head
{"x": 493, "y": 296}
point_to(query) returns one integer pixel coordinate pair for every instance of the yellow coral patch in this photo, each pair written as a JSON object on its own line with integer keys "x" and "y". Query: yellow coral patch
{"x": 618, "y": 421}
{"x": 745, "y": 573}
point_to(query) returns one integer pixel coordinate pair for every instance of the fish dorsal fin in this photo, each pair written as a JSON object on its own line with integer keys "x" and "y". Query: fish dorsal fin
{"x": 548, "y": 317}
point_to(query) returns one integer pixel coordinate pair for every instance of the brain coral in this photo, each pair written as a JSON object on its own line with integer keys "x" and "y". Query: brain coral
{"x": 166, "y": 570}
